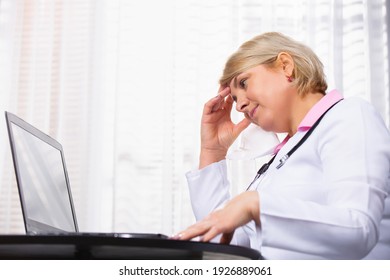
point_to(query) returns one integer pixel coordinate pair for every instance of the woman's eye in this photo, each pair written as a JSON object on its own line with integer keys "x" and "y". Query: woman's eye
{"x": 243, "y": 83}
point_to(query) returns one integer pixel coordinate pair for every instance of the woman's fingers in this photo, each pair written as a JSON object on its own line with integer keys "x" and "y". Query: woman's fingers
{"x": 237, "y": 212}
{"x": 206, "y": 229}
{"x": 210, "y": 234}
{"x": 217, "y": 102}
{"x": 241, "y": 126}
{"x": 206, "y": 232}
{"x": 228, "y": 103}
{"x": 193, "y": 231}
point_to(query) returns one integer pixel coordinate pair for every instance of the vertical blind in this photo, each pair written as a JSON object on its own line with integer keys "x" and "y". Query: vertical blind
{"x": 121, "y": 84}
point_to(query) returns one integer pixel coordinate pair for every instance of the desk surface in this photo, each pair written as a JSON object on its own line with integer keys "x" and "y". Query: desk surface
{"x": 107, "y": 247}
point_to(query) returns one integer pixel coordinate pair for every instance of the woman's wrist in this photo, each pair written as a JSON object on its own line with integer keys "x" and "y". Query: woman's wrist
{"x": 208, "y": 157}
{"x": 254, "y": 206}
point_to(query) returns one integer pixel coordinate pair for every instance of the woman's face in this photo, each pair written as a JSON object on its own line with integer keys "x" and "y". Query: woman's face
{"x": 265, "y": 96}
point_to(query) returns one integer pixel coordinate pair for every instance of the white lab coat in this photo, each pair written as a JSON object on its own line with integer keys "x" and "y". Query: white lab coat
{"x": 329, "y": 201}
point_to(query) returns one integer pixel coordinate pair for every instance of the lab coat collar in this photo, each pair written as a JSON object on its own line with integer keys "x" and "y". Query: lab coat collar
{"x": 314, "y": 114}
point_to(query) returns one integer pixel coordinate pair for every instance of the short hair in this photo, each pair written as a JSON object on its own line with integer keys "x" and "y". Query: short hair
{"x": 308, "y": 73}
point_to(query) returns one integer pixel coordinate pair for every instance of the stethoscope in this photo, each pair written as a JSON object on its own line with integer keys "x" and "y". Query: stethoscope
{"x": 284, "y": 158}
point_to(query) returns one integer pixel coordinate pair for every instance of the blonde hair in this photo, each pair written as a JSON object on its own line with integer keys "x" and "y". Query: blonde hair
{"x": 308, "y": 73}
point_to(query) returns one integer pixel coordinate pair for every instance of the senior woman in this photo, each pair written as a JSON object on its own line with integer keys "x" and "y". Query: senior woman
{"x": 325, "y": 192}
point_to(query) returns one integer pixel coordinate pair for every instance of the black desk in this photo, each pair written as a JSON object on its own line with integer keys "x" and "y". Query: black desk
{"x": 106, "y": 247}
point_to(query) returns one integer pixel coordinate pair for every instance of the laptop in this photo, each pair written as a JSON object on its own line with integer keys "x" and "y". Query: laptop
{"x": 43, "y": 183}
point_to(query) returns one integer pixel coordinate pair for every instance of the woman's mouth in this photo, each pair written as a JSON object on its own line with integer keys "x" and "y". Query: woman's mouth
{"x": 253, "y": 112}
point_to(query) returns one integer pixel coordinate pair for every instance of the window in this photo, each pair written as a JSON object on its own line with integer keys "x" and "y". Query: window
{"x": 121, "y": 84}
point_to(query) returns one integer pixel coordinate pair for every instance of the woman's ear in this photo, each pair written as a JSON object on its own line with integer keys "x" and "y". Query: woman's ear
{"x": 287, "y": 63}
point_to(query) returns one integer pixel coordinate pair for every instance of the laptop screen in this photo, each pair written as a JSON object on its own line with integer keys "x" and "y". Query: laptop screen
{"x": 42, "y": 180}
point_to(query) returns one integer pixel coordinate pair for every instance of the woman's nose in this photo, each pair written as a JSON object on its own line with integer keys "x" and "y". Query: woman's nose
{"x": 241, "y": 104}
